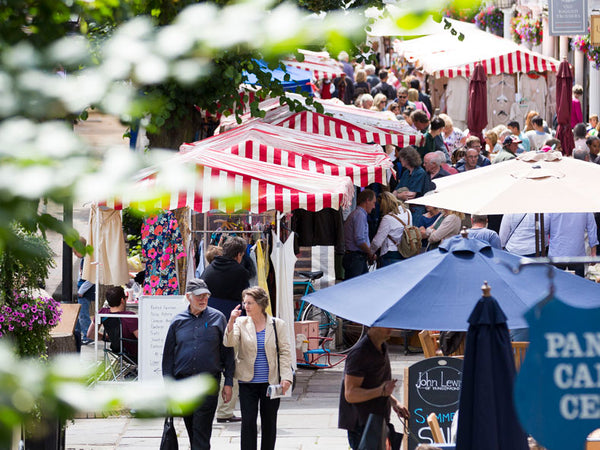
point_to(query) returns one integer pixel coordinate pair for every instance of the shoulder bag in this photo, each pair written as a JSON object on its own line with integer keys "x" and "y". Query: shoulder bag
{"x": 278, "y": 365}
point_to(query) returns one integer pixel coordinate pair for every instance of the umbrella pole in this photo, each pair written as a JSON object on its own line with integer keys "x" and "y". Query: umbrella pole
{"x": 537, "y": 235}
{"x": 542, "y": 236}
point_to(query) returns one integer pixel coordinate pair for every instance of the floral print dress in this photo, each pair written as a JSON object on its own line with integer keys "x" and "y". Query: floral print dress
{"x": 162, "y": 245}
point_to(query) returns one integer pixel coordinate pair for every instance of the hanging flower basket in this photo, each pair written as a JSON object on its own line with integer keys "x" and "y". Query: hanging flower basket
{"x": 491, "y": 18}
{"x": 527, "y": 30}
{"x": 583, "y": 44}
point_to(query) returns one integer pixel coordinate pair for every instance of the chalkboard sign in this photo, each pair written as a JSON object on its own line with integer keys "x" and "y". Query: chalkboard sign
{"x": 432, "y": 385}
{"x": 155, "y": 314}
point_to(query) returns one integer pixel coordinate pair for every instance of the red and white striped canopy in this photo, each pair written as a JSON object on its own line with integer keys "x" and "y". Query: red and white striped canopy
{"x": 365, "y": 164}
{"x": 443, "y": 55}
{"x": 319, "y": 64}
{"x": 231, "y": 183}
{"x": 341, "y": 121}
{"x": 312, "y": 122}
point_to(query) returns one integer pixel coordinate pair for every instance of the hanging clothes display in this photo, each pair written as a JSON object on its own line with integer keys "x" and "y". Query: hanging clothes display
{"x": 534, "y": 90}
{"x": 284, "y": 260}
{"x": 551, "y": 99}
{"x": 519, "y": 110}
{"x": 106, "y": 236}
{"x": 162, "y": 245}
{"x": 501, "y": 96}
{"x": 457, "y": 101}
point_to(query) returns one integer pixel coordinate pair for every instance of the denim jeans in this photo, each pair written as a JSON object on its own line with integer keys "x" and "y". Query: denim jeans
{"x": 391, "y": 258}
{"x": 355, "y": 264}
{"x": 84, "y": 313}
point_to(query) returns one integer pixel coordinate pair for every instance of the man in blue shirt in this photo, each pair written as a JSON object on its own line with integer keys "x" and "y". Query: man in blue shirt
{"x": 356, "y": 236}
{"x": 566, "y": 236}
{"x": 194, "y": 345}
{"x": 480, "y": 231}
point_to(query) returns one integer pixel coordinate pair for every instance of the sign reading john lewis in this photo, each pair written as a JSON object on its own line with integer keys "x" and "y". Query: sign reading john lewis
{"x": 557, "y": 391}
{"x": 155, "y": 314}
{"x": 568, "y": 17}
{"x": 432, "y": 386}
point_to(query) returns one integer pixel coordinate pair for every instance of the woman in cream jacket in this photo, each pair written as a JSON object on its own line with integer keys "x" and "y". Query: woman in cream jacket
{"x": 253, "y": 338}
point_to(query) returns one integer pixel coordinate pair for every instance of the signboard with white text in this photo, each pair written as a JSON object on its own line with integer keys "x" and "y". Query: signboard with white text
{"x": 557, "y": 391}
{"x": 568, "y": 17}
{"x": 432, "y": 386}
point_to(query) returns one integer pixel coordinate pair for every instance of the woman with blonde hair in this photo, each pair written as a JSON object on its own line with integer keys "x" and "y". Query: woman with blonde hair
{"x": 447, "y": 225}
{"x": 453, "y": 137}
{"x": 394, "y": 217}
{"x": 413, "y": 96}
{"x": 361, "y": 85}
{"x": 379, "y": 102}
{"x": 491, "y": 140}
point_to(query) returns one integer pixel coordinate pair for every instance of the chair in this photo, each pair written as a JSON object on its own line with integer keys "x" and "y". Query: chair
{"x": 429, "y": 343}
{"x": 436, "y": 431}
{"x": 519, "y": 350}
{"x": 119, "y": 364}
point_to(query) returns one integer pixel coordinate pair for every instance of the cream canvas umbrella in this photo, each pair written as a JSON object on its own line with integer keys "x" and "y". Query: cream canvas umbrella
{"x": 531, "y": 183}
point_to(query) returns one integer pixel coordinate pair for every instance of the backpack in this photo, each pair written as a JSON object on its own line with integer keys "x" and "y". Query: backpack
{"x": 410, "y": 242}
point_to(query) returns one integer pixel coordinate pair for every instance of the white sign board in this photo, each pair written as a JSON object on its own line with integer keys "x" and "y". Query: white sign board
{"x": 155, "y": 315}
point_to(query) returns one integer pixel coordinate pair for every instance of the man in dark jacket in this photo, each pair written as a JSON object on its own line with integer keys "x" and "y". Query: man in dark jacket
{"x": 226, "y": 279}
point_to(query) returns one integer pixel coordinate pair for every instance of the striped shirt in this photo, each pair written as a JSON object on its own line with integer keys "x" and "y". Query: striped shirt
{"x": 261, "y": 365}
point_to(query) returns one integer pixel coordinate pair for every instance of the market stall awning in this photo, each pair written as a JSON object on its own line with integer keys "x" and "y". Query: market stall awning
{"x": 231, "y": 183}
{"x": 365, "y": 164}
{"x": 339, "y": 121}
{"x": 319, "y": 64}
{"x": 441, "y": 54}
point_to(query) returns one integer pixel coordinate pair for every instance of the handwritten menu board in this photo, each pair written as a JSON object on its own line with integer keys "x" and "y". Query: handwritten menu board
{"x": 155, "y": 315}
{"x": 432, "y": 386}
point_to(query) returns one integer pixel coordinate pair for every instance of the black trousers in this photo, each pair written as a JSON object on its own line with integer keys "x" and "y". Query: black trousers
{"x": 199, "y": 424}
{"x": 251, "y": 396}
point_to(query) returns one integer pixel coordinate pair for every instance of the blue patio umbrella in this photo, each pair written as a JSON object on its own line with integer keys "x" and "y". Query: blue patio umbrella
{"x": 297, "y": 77}
{"x": 487, "y": 419}
{"x": 437, "y": 290}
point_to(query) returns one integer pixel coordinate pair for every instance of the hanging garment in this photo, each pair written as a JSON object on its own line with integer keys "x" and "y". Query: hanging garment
{"x": 322, "y": 257}
{"x": 501, "y": 96}
{"x": 162, "y": 245}
{"x": 519, "y": 110}
{"x": 106, "y": 236}
{"x": 201, "y": 262}
{"x": 534, "y": 90}
{"x": 284, "y": 260}
{"x": 551, "y": 99}
{"x": 457, "y": 101}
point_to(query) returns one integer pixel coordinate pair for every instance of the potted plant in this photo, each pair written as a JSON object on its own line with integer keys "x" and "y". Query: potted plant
{"x": 26, "y": 314}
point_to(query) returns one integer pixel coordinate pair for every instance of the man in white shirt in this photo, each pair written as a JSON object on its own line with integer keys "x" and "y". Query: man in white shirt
{"x": 537, "y": 137}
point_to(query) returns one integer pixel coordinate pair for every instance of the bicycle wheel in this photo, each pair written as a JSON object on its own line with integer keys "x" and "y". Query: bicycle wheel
{"x": 350, "y": 335}
{"x": 326, "y": 322}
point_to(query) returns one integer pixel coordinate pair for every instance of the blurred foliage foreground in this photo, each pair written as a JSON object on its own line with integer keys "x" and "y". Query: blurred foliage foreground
{"x": 31, "y": 390}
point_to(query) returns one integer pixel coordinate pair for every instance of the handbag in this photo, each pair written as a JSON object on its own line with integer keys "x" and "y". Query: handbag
{"x": 278, "y": 368}
{"x": 169, "y": 436}
{"x": 374, "y": 434}
{"x": 377, "y": 434}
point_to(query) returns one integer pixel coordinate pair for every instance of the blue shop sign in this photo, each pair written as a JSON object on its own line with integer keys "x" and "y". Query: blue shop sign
{"x": 557, "y": 392}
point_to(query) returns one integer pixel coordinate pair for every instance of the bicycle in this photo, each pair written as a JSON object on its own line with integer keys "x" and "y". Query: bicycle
{"x": 349, "y": 332}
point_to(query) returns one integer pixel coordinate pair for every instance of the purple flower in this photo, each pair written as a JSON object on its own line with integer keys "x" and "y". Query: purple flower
{"x": 24, "y": 306}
